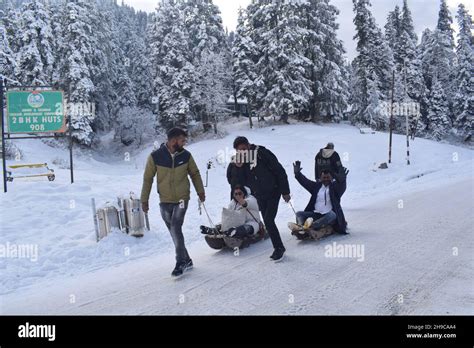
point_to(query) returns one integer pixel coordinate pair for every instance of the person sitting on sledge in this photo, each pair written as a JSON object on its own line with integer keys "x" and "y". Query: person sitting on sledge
{"x": 243, "y": 200}
{"x": 324, "y": 207}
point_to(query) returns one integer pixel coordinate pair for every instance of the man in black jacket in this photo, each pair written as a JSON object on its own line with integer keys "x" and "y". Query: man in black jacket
{"x": 327, "y": 159}
{"x": 324, "y": 207}
{"x": 268, "y": 181}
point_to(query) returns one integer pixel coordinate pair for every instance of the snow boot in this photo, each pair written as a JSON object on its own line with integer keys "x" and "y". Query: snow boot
{"x": 232, "y": 233}
{"x": 181, "y": 268}
{"x": 294, "y": 228}
{"x": 278, "y": 254}
{"x": 209, "y": 231}
{"x": 308, "y": 224}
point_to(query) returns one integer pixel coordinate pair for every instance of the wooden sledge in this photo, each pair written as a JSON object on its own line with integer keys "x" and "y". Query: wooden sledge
{"x": 49, "y": 173}
{"x": 221, "y": 241}
{"x": 311, "y": 234}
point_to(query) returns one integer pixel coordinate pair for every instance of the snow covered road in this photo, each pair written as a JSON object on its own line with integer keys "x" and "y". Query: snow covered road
{"x": 410, "y": 265}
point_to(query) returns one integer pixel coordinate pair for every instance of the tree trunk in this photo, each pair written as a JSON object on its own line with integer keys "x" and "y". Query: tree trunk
{"x": 236, "y": 103}
{"x": 215, "y": 125}
{"x": 249, "y": 111}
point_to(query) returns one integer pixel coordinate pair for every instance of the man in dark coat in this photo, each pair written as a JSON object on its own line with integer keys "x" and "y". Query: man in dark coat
{"x": 327, "y": 159}
{"x": 268, "y": 182}
{"x": 324, "y": 207}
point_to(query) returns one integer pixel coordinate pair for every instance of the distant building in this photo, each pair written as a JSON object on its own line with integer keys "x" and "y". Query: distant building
{"x": 242, "y": 106}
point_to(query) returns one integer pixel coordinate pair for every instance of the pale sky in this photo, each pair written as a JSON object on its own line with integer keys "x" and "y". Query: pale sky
{"x": 425, "y": 14}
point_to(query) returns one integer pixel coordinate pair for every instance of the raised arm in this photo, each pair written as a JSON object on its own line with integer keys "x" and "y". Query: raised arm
{"x": 341, "y": 180}
{"x": 309, "y": 185}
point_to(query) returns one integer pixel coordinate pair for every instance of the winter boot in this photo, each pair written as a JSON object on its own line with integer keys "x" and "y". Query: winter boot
{"x": 182, "y": 267}
{"x": 308, "y": 224}
{"x": 294, "y": 227}
{"x": 278, "y": 254}
{"x": 232, "y": 233}
{"x": 209, "y": 230}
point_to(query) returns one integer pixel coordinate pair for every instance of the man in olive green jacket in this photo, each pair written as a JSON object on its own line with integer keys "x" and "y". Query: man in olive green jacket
{"x": 171, "y": 164}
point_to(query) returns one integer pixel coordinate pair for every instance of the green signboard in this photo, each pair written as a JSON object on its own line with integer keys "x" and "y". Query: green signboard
{"x": 35, "y": 112}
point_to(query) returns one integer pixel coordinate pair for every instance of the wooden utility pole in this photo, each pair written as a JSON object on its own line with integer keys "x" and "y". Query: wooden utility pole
{"x": 407, "y": 112}
{"x": 391, "y": 119}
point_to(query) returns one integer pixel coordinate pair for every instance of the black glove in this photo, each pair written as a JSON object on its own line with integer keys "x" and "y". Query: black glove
{"x": 297, "y": 167}
{"x": 342, "y": 175}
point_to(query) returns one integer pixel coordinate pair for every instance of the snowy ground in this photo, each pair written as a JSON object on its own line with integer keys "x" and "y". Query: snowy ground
{"x": 416, "y": 233}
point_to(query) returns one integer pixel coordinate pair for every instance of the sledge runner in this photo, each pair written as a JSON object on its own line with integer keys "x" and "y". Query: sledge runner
{"x": 171, "y": 164}
{"x": 240, "y": 225}
{"x": 324, "y": 212}
{"x": 269, "y": 182}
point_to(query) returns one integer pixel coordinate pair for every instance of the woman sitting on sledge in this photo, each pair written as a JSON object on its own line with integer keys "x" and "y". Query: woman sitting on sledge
{"x": 244, "y": 204}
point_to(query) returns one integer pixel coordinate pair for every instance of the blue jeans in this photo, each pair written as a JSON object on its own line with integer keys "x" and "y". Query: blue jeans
{"x": 173, "y": 216}
{"x": 320, "y": 220}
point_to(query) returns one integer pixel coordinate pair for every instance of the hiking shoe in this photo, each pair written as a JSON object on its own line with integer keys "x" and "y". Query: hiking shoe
{"x": 278, "y": 254}
{"x": 182, "y": 267}
{"x": 231, "y": 233}
{"x": 189, "y": 265}
{"x": 208, "y": 231}
{"x": 178, "y": 270}
{"x": 294, "y": 228}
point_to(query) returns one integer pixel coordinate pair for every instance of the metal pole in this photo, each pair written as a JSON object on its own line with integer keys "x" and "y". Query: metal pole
{"x": 208, "y": 167}
{"x": 292, "y": 207}
{"x": 4, "y": 154}
{"x": 94, "y": 215}
{"x": 408, "y": 144}
{"x": 147, "y": 222}
{"x": 391, "y": 120}
{"x": 71, "y": 162}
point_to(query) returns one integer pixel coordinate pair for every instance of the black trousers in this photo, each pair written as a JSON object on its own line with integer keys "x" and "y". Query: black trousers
{"x": 269, "y": 210}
